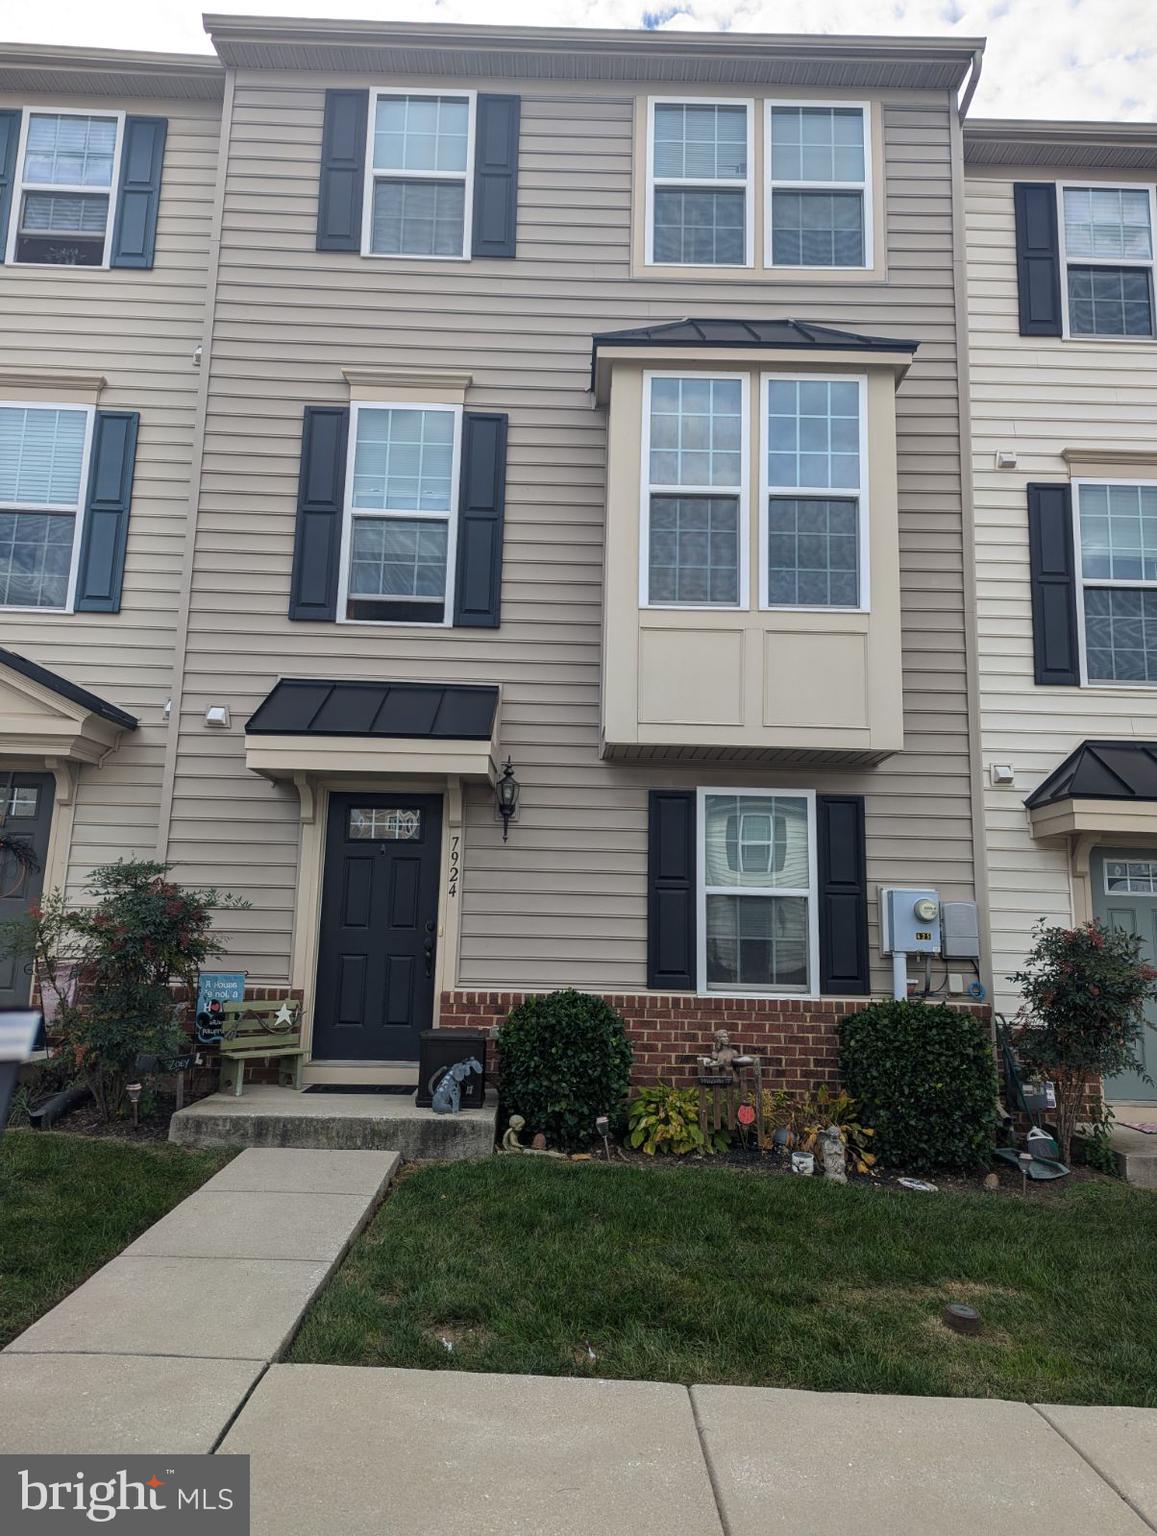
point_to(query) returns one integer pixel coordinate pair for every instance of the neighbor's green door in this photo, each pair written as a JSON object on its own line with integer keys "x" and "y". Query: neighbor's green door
{"x": 1125, "y": 896}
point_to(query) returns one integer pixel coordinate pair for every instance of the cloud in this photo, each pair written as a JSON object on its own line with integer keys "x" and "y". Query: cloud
{"x": 1045, "y": 58}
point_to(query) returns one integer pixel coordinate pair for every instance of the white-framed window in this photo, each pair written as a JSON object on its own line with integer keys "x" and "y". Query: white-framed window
{"x": 419, "y": 192}
{"x": 758, "y": 913}
{"x": 44, "y": 457}
{"x": 1115, "y": 530}
{"x": 700, "y": 182}
{"x": 818, "y": 210}
{"x": 400, "y": 531}
{"x": 68, "y": 165}
{"x": 695, "y": 451}
{"x": 1106, "y": 240}
{"x": 814, "y": 491}
{"x": 1135, "y": 877}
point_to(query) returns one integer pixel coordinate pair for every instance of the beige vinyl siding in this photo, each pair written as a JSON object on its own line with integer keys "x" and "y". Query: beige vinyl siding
{"x": 1037, "y": 396}
{"x": 139, "y": 329}
{"x": 564, "y": 900}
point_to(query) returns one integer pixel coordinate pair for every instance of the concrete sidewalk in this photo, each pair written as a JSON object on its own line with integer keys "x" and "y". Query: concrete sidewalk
{"x": 158, "y": 1349}
{"x": 374, "y": 1452}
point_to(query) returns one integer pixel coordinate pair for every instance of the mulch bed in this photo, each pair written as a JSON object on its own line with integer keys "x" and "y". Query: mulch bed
{"x": 777, "y": 1164}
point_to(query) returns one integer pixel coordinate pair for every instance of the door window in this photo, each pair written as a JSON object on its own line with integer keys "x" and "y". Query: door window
{"x": 385, "y": 824}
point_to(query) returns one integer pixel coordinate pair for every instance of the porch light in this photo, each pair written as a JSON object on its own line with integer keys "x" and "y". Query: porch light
{"x": 506, "y": 793}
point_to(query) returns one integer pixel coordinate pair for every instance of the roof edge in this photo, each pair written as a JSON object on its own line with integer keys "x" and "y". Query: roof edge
{"x": 35, "y": 673}
{"x": 623, "y": 39}
{"x": 1025, "y": 141}
{"x": 131, "y": 61}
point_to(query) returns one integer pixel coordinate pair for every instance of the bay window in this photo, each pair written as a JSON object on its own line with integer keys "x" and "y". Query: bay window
{"x": 814, "y": 461}
{"x": 695, "y": 496}
{"x": 757, "y": 896}
{"x": 400, "y": 528}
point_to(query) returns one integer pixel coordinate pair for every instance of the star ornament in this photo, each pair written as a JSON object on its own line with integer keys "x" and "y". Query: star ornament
{"x": 284, "y": 1016}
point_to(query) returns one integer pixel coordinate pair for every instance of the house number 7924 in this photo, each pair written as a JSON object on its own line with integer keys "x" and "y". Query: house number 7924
{"x": 455, "y": 844}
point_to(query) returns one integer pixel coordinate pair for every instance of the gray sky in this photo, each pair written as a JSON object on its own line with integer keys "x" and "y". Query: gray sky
{"x": 1045, "y": 58}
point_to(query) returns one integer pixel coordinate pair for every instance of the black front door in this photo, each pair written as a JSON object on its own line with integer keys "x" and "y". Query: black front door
{"x": 379, "y": 927}
{"x": 26, "y": 812}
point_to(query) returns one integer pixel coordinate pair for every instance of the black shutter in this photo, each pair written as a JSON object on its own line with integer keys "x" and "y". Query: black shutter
{"x": 343, "y": 170}
{"x": 9, "y": 142}
{"x": 106, "y": 514}
{"x": 320, "y": 504}
{"x": 843, "y": 895}
{"x": 134, "y": 237}
{"x": 496, "y": 176}
{"x": 481, "y": 511}
{"x": 1053, "y": 581}
{"x": 671, "y": 890}
{"x": 1038, "y": 258}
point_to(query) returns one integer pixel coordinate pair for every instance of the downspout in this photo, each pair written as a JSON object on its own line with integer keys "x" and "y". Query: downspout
{"x": 973, "y": 82}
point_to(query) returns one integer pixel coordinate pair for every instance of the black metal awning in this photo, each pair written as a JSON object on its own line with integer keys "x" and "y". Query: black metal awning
{"x": 299, "y": 706}
{"x": 747, "y": 335}
{"x": 73, "y": 692}
{"x": 1101, "y": 770}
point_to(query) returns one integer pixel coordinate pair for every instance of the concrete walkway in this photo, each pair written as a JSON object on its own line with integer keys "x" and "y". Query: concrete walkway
{"x": 160, "y": 1347}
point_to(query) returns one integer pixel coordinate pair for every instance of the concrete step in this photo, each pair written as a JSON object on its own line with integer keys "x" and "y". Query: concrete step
{"x": 266, "y": 1116}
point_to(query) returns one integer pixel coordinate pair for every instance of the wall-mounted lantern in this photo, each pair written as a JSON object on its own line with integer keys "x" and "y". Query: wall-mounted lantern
{"x": 506, "y": 793}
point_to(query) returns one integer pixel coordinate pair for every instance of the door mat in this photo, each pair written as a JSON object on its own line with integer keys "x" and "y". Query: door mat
{"x": 1148, "y": 1126}
{"x": 401, "y": 1088}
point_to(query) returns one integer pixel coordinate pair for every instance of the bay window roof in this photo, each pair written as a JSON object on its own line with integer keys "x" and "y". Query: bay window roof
{"x": 667, "y": 340}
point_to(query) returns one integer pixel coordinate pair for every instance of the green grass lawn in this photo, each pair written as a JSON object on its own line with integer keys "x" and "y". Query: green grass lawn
{"x": 68, "y": 1205}
{"x": 697, "y": 1275}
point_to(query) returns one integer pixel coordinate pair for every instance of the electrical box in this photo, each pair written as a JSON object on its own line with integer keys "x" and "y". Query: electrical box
{"x": 960, "y": 927}
{"x": 909, "y": 921}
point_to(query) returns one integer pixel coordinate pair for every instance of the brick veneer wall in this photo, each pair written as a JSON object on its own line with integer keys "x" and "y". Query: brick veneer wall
{"x": 797, "y": 1041}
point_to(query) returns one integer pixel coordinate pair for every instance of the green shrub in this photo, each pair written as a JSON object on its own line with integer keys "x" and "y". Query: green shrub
{"x": 925, "y": 1079}
{"x": 564, "y": 1059}
{"x": 662, "y": 1118}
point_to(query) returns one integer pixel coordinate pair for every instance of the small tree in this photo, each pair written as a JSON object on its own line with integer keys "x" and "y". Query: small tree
{"x": 1084, "y": 992}
{"x": 108, "y": 969}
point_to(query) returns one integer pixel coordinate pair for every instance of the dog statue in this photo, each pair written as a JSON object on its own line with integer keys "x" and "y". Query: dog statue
{"x": 446, "y": 1085}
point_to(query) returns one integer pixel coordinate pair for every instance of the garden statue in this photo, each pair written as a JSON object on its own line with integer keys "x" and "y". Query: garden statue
{"x": 832, "y": 1155}
{"x": 511, "y": 1143}
{"x": 447, "y": 1089}
{"x": 725, "y": 1057}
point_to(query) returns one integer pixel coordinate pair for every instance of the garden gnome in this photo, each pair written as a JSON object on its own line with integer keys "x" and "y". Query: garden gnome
{"x": 832, "y": 1154}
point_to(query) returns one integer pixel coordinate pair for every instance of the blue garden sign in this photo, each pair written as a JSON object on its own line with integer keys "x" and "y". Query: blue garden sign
{"x": 216, "y": 987}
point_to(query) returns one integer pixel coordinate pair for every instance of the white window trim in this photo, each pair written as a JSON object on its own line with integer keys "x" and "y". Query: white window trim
{"x": 702, "y": 891}
{"x": 1106, "y": 261}
{"x": 864, "y": 187}
{"x": 372, "y": 175}
{"x": 694, "y": 183}
{"x": 349, "y": 512}
{"x": 743, "y": 492}
{"x": 20, "y": 186}
{"x": 1127, "y": 860}
{"x": 1101, "y": 581}
{"x": 77, "y": 508}
{"x": 801, "y": 493}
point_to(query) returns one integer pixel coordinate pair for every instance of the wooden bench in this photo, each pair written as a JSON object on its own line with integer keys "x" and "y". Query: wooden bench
{"x": 257, "y": 1030}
